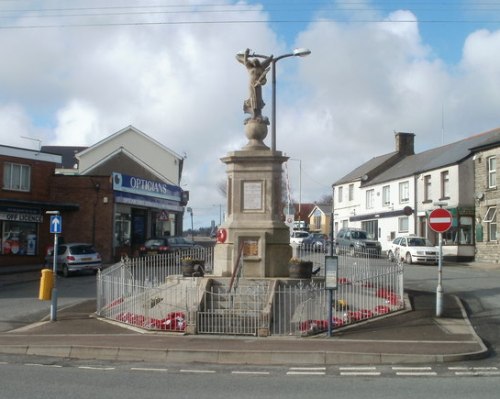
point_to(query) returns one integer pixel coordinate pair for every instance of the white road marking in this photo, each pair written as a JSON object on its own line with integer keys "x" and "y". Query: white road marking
{"x": 148, "y": 369}
{"x": 198, "y": 371}
{"x": 251, "y": 372}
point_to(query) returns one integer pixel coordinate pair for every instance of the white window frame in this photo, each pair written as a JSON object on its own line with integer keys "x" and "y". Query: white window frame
{"x": 351, "y": 192}
{"x": 490, "y": 218}
{"x": 492, "y": 171}
{"x": 427, "y": 188}
{"x": 404, "y": 192}
{"x": 445, "y": 184}
{"x": 386, "y": 195}
{"x": 403, "y": 224}
{"x": 370, "y": 196}
{"x": 21, "y": 182}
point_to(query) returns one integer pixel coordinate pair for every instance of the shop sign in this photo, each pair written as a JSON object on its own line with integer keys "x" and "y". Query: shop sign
{"x": 145, "y": 187}
{"x": 21, "y": 217}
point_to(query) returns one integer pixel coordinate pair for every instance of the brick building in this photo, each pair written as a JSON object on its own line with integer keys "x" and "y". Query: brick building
{"x": 113, "y": 194}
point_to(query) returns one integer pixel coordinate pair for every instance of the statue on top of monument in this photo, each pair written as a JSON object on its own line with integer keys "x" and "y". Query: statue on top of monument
{"x": 257, "y": 71}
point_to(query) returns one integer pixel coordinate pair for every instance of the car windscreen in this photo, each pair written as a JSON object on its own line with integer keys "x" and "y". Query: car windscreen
{"x": 417, "y": 242}
{"x": 360, "y": 235}
{"x": 82, "y": 250}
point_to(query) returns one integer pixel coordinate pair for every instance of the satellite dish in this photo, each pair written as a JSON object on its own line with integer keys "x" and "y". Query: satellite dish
{"x": 479, "y": 195}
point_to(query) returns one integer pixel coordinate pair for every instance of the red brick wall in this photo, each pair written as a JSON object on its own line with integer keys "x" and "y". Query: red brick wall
{"x": 93, "y": 222}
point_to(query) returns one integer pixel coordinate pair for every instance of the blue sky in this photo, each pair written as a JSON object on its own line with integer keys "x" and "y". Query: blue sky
{"x": 74, "y": 72}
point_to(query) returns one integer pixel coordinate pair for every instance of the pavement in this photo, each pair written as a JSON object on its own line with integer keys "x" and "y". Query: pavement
{"x": 412, "y": 336}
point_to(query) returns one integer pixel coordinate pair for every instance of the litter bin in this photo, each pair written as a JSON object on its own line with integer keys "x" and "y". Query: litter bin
{"x": 46, "y": 285}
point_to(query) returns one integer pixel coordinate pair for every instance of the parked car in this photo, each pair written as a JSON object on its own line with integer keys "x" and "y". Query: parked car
{"x": 297, "y": 236}
{"x": 356, "y": 242}
{"x": 166, "y": 245}
{"x": 314, "y": 242}
{"x": 413, "y": 249}
{"x": 74, "y": 257}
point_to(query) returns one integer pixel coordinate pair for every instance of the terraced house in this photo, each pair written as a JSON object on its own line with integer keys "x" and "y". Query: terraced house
{"x": 393, "y": 194}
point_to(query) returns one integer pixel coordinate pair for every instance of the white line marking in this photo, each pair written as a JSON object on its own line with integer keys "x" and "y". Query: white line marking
{"x": 309, "y": 368}
{"x": 96, "y": 368}
{"x": 416, "y": 374}
{"x": 412, "y": 368}
{"x": 358, "y": 368}
{"x": 305, "y": 373}
{"x": 477, "y": 373}
{"x": 360, "y": 373}
{"x": 147, "y": 369}
{"x": 43, "y": 365}
{"x": 198, "y": 371}
{"x": 251, "y": 372}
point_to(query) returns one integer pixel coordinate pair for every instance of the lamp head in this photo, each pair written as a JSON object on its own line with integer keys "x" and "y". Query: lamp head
{"x": 301, "y": 52}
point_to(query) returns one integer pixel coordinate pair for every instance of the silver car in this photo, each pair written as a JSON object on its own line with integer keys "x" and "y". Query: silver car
{"x": 74, "y": 257}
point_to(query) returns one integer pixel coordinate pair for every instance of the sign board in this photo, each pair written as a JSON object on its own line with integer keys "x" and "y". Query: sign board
{"x": 440, "y": 220}
{"x": 56, "y": 224}
{"x": 331, "y": 271}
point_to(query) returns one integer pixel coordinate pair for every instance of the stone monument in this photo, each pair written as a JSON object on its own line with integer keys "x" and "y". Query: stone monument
{"x": 254, "y": 232}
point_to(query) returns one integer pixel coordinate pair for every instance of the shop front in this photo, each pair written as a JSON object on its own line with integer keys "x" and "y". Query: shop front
{"x": 144, "y": 208}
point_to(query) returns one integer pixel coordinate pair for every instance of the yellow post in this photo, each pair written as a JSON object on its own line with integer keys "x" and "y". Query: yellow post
{"x": 46, "y": 285}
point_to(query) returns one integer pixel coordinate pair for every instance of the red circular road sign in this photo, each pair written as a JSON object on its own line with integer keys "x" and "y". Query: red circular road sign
{"x": 440, "y": 220}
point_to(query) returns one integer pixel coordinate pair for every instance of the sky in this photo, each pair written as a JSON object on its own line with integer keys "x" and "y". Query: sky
{"x": 75, "y": 72}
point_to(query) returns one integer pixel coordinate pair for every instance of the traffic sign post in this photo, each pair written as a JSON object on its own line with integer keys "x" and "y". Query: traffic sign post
{"x": 56, "y": 229}
{"x": 440, "y": 220}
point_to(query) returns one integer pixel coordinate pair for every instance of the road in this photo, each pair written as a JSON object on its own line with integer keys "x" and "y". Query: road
{"x": 123, "y": 381}
{"x": 61, "y": 378}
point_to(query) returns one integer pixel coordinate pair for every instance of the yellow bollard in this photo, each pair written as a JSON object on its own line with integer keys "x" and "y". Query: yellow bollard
{"x": 46, "y": 285}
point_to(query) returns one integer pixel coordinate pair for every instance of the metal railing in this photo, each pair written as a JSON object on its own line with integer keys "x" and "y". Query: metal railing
{"x": 149, "y": 293}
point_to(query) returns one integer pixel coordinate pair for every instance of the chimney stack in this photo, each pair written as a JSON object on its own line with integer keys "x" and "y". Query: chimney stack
{"x": 405, "y": 143}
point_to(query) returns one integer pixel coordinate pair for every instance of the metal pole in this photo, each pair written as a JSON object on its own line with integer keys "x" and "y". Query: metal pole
{"x": 273, "y": 106}
{"x": 439, "y": 290}
{"x": 330, "y": 312}
{"x": 53, "y": 303}
{"x": 300, "y": 188}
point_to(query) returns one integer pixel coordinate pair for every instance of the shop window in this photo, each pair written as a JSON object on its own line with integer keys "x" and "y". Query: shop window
{"x": 122, "y": 229}
{"x": 16, "y": 177}
{"x": 19, "y": 238}
{"x": 461, "y": 235}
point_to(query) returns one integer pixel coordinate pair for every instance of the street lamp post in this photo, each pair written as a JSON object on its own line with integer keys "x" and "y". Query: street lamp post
{"x": 299, "y": 52}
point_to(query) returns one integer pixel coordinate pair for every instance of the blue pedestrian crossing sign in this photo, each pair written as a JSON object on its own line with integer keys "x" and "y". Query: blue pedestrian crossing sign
{"x": 56, "y": 224}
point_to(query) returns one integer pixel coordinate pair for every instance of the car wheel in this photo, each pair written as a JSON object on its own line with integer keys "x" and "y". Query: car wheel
{"x": 65, "y": 271}
{"x": 408, "y": 258}
{"x": 352, "y": 251}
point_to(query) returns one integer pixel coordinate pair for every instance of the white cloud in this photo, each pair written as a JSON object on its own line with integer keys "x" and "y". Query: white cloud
{"x": 181, "y": 85}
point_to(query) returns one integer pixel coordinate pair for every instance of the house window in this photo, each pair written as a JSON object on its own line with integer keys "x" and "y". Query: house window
{"x": 492, "y": 172}
{"x": 403, "y": 223}
{"x": 317, "y": 222}
{"x": 491, "y": 222}
{"x": 340, "y": 194}
{"x": 370, "y": 195}
{"x": 351, "y": 192}
{"x": 16, "y": 177}
{"x": 445, "y": 185}
{"x": 404, "y": 192}
{"x": 427, "y": 188}
{"x": 386, "y": 195}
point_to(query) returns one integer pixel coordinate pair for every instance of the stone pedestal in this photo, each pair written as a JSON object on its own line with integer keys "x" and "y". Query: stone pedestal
{"x": 254, "y": 225}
